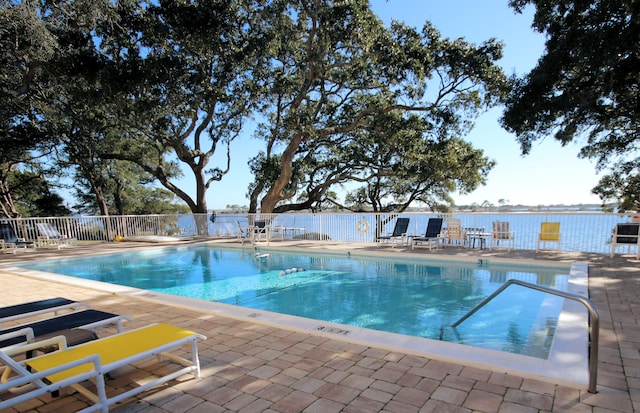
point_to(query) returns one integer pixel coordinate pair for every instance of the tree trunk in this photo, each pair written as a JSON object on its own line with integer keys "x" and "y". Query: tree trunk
{"x": 276, "y": 192}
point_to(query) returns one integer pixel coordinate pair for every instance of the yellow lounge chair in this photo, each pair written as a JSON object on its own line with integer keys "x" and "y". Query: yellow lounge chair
{"x": 549, "y": 232}
{"x": 69, "y": 367}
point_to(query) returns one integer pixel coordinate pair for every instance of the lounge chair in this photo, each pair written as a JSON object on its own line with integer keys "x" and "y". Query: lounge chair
{"x": 398, "y": 234}
{"x": 626, "y": 234}
{"x": 10, "y": 241}
{"x": 501, "y": 232}
{"x": 431, "y": 237}
{"x": 33, "y": 308}
{"x": 70, "y": 367}
{"x": 454, "y": 232}
{"x": 87, "y": 319}
{"x": 549, "y": 232}
{"x": 49, "y": 235}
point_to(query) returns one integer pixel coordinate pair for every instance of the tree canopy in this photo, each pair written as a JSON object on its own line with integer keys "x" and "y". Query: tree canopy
{"x": 585, "y": 88}
{"x": 165, "y": 85}
{"x": 338, "y": 71}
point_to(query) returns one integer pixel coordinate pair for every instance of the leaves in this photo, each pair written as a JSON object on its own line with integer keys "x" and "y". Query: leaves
{"x": 341, "y": 77}
{"x": 586, "y": 86}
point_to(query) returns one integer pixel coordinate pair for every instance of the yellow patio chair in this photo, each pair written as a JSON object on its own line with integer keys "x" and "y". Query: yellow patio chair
{"x": 549, "y": 232}
{"x": 71, "y": 367}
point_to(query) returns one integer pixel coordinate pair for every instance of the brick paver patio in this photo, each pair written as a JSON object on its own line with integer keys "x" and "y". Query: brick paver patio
{"x": 250, "y": 367}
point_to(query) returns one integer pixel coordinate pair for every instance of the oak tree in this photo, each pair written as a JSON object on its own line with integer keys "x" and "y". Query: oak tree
{"x": 585, "y": 88}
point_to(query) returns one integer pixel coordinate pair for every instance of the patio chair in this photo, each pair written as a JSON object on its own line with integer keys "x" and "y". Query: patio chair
{"x": 626, "y": 234}
{"x": 87, "y": 319}
{"x": 72, "y": 367}
{"x": 243, "y": 234}
{"x": 431, "y": 237}
{"x": 454, "y": 232}
{"x": 10, "y": 241}
{"x": 260, "y": 232}
{"x": 549, "y": 232}
{"x": 398, "y": 234}
{"x": 49, "y": 235}
{"x": 501, "y": 232}
{"x": 33, "y": 308}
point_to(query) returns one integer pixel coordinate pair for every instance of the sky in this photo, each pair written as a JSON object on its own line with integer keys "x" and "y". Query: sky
{"x": 549, "y": 175}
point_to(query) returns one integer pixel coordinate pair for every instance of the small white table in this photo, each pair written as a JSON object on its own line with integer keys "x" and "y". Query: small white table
{"x": 481, "y": 237}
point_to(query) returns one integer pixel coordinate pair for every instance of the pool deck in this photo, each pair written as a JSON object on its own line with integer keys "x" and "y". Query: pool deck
{"x": 248, "y": 366}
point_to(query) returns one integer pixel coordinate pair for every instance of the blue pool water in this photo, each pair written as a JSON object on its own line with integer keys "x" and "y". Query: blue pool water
{"x": 413, "y": 297}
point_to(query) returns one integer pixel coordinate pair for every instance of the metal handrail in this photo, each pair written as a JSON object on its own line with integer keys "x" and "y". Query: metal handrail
{"x": 593, "y": 322}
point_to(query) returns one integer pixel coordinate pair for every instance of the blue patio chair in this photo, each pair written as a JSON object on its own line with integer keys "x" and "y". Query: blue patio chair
{"x": 432, "y": 237}
{"x": 11, "y": 241}
{"x": 398, "y": 234}
{"x": 261, "y": 231}
{"x": 626, "y": 234}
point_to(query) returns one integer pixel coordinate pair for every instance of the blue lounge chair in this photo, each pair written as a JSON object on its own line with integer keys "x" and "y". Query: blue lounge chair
{"x": 431, "y": 237}
{"x": 87, "y": 319}
{"x": 11, "y": 240}
{"x": 399, "y": 232}
{"x": 626, "y": 234}
{"x": 49, "y": 305}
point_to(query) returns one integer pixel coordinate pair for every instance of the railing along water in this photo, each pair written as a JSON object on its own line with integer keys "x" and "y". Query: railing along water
{"x": 580, "y": 232}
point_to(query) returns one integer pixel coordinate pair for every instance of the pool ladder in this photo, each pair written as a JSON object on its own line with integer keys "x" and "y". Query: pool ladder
{"x": 594, "y": 322}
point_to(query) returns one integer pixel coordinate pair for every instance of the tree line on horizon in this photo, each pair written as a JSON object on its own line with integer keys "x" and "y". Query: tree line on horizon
{"x": 122, "y": 97}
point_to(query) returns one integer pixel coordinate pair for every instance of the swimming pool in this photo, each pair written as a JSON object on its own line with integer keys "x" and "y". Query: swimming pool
{"x": 414, "y": 297}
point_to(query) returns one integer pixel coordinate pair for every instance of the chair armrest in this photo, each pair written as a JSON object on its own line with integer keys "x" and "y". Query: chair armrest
{"x": 59, "y": 341}
{"x": 27, "y": 332}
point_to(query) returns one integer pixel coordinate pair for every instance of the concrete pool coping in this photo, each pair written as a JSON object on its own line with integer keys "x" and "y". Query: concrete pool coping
{"x": 567, "y": 363}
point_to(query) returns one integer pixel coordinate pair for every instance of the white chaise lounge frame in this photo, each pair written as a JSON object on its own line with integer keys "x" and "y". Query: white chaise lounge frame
{"x": 28, "y": 380}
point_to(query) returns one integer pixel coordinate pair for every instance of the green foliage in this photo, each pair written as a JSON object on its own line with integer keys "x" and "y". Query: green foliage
{"x": 121, "y": 188}
{"x": 167, "y": 85}
{"x": 621, "y": 186}
{"x": 340, "y": 78}
{"x": 33, "y": 197}
{"x": 157, "y": 84}
{"x": 401, "y": 163}
{"x": 585, "y": 87}
{"x": 197, "y": 74}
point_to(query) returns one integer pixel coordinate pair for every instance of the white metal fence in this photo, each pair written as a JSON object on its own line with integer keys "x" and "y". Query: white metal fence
{"x": 581, "y": 232}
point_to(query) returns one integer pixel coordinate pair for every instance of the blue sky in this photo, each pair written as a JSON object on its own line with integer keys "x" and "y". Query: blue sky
{"x": 550, "y": 174}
